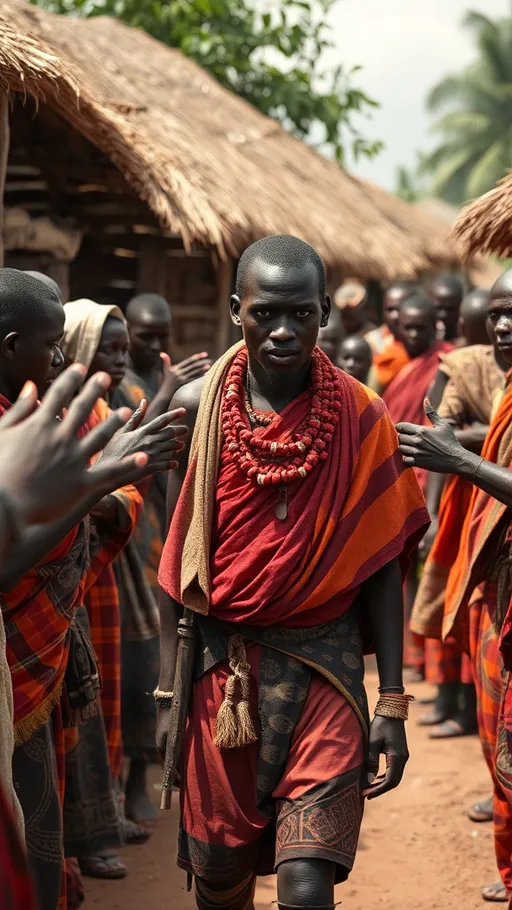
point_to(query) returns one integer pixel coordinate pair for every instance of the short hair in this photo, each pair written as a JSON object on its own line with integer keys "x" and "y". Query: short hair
{"x": 405, "y": 284}
{"x": 49, "y": 282}
{"x": 279, "y": 249}
{"x": 147, "y": 303}
{"x": 450, "y": 283}
{"x": 421, "y": 303}
{"x": 23, "y": 300}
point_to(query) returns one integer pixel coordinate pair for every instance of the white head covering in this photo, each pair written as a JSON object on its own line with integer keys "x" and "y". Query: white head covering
{"x": 83, "y": 327}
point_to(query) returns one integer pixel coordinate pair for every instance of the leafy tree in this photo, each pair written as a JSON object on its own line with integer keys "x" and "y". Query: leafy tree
{"x": 476, "y": 133}
{"x": 272, "y": 59}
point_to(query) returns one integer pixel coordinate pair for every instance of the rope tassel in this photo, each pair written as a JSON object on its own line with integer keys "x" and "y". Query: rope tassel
{"x": 235, "y": 726}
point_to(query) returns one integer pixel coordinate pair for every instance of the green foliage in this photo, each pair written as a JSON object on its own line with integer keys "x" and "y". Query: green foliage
{"x": 272, "y": 59}
{"x": 475, "y": 148}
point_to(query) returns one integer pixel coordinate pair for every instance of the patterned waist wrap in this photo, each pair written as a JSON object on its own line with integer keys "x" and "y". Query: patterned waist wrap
{"x": 288, "y": 658}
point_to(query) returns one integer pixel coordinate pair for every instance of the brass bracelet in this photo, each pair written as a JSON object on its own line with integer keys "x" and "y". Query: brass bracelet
{"x": 394, "y": 705}
{"x": 161, "y": 695}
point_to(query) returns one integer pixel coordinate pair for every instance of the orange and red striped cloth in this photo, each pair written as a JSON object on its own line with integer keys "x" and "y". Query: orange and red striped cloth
{"x": 349, "y": 517}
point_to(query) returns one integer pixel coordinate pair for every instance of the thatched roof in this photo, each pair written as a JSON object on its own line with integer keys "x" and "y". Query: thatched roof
{"x": 485, "y": 225}
{"x": 209, "y": 165}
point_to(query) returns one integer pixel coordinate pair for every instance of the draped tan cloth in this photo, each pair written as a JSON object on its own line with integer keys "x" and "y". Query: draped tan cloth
{"x": 201, "y": 481}
{"x": 83, "y": 327}
{"x": 475, "y": 383}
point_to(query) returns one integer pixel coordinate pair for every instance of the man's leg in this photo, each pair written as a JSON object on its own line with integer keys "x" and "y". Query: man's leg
{"x": 305, "y": 883}
{"x": 489, "y": 687}
{"x": 238, "y": 895}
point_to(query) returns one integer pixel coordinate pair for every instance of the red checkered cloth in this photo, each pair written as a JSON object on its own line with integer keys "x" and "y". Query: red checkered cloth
{"x": 16, "y": 890}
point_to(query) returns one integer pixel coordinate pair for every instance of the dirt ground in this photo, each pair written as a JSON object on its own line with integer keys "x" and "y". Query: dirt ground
{"x": 418, "y": 850}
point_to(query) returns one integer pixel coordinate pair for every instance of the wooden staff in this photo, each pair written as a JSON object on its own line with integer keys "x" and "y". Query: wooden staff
{"x": 182, "y": 689}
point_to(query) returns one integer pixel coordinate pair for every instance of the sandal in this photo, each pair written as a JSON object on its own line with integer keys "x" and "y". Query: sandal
{"x": 102, "y": 865}
{"x": 132, "y": 833}
{"x": 496, "y": 893}
{"x": 482, "y": 812}
{"x": 451, "y": 729}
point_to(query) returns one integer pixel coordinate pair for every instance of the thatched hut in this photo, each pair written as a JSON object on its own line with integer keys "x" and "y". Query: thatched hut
{"x": 485, "y": 225}
{"x": 166, "y": 176}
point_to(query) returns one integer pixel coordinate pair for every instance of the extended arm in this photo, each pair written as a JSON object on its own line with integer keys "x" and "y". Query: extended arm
{"x": 439, "y": 450}
{"x": 384, "y": 604}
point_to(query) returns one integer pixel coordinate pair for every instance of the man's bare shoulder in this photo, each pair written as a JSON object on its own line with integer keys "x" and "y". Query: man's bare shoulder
{"x": 188, "y": 396}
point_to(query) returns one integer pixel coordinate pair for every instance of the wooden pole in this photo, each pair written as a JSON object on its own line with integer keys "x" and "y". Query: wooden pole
{"x": 224, "y": 285}
{"x": 4, "y": 152}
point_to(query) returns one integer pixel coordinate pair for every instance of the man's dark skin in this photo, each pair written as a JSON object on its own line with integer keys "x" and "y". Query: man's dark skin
{"x": 31, "y": 352}
{"x": 280, "y": 314}
{"x": 355, "y": 357}
{"x": 438, "y": 449}
{"x": 112, "y": 353}
{"x": 416, "y": 327}
{"x": 447, "y": 293}
{"x": 473, "y": 317}
{"x": 331, "y": 336}
{"x": 393, "y": 298}
{"x": 149, "y": 328}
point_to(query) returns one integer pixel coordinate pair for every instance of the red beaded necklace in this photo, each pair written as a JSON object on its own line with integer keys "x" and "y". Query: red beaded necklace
{"x": 273, "y": 462}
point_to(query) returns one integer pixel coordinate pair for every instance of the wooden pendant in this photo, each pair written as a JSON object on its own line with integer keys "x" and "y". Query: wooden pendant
{"x": 281, "y": 509}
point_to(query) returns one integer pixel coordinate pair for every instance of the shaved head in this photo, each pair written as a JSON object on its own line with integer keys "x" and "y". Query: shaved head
{"x": 331, "y": 335}
{"x": 417, "y": 324}
{"x": 473, "y": 317}
{"x": 149, "y": 327}
{"x": 503, "y": 286}
{"x": 447, "y": 293}
{"x": 148, "y": 308}
{"x": 49, "y": 282}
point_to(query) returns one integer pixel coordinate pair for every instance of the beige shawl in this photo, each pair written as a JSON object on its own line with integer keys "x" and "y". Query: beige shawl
{"x": 82, "y": 331}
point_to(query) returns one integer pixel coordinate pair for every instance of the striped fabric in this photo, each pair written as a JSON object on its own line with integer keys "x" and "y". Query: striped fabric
{"x": 488, "y": 668}
{"x": 356, "y": 512}
{"x": 483, "y": 517}
{"x": 15, "y": 884}
{"x": 102, "y": 603}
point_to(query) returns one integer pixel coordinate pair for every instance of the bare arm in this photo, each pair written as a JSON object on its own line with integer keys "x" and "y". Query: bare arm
{"x": 384, "y": 603}
{"x": 439, "y": 450}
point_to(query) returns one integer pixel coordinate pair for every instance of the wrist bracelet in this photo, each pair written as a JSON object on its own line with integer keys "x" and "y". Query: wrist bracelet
{"x": 394, "y": 705}
{"x": 162, "y": 695}
{"x": 397, "y": 690}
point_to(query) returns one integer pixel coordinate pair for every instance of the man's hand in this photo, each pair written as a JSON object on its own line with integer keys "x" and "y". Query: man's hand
{"x": 44, "y": 467}
{"x": 436, "y": 450}
{"x": 387, "y": 737}
{"x": 187, "y": 370}
{"x": 158, "y": 440}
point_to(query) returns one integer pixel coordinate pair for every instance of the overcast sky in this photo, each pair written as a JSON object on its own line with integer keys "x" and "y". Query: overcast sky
{"x": 404, "y": 47}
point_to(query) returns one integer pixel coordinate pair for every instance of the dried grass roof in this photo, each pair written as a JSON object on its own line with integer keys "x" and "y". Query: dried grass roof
{"x": 485, "y": 225}
{"x": 210, "y": 166}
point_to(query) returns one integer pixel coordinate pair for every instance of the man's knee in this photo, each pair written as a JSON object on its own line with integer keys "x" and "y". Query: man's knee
{"x": 305, "y": 883}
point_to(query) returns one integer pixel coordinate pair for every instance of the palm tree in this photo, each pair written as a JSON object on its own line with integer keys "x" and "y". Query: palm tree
{"x": 476, "y": 136}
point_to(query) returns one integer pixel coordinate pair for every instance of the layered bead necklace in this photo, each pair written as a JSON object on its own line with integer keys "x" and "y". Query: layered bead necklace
{"x": 270, "y": 462}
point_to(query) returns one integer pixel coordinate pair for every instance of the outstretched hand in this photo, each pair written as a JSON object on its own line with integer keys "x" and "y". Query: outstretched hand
{"x": 434, "y": 449}
{"x": 187, "y": 370}
{"x": 44, "y": 466}
{"x": 158, "y": 440}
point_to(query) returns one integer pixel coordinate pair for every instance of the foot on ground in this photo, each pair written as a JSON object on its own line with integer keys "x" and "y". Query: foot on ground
{"x": 496, "y": 893}
{"x": 481, "y": 811}
{"x": 452, "y": 728}
{"x": 103, "y": 865}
